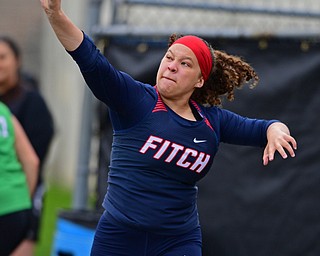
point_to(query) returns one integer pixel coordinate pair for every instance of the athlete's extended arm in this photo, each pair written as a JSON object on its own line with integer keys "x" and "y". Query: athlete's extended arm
{"x": 279, "y": 139}
{"x": 66, "y": 31}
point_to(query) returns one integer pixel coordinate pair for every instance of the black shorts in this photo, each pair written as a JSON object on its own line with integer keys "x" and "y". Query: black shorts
{"x": 14, "y": 227}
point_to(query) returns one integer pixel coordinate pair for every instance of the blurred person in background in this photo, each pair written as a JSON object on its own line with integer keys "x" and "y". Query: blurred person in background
{"x": 19, "y": 166}
{"x": 21, "y": 94}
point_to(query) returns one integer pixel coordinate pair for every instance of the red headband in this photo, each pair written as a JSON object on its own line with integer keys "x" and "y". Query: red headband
{"x": 202, "y": 52}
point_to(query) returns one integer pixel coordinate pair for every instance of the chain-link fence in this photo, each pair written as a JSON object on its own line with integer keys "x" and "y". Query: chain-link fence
{"x": 209, "y": 17}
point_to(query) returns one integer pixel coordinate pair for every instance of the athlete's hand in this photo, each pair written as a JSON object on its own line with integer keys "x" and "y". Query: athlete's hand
{"x": 279, "y": 139}
{"x": 51, "y": 5}
{"x": 69, "y": 35}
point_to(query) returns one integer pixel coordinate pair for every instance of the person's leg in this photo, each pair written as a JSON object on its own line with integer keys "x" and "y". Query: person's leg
{"x": 188, "y": 244}
{"x": 185, "y": 250}
{"x": 13, "y": 229}
{"x": 27, "y": 246}
{"x": 112, "y": 239}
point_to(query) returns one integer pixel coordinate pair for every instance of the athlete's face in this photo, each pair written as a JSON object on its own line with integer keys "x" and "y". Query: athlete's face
{"x": 179, "y": 73}
{"x": 9, "y": 66}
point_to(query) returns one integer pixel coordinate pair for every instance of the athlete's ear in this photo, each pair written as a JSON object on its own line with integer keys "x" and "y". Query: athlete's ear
{"x": 200, "y": 82}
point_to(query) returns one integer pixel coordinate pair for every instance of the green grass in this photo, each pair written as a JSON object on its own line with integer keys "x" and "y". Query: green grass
{"x": 56, "y": 198}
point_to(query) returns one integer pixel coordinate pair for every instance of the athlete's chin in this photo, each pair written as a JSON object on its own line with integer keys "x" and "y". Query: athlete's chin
{"x": 166, "y": 84}
{"x": 165, "y": 91}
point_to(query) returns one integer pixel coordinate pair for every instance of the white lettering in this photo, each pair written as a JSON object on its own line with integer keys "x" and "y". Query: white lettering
{"x": 174, "y": 152}
{"x": 182, "y": 161}
{"x": 3, "y": 127}
{"x": 200, "y": 162}
{"x": 185, "y": 157}
{"x": 149, "y": 144}
{"x": 162, "y": 149}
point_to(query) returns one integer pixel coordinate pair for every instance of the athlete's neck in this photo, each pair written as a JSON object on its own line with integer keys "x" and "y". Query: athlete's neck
{"x": 181, "y": 108}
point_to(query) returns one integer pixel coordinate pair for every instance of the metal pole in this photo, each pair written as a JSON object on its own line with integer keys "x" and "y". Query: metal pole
{"x": 80, "y": 195}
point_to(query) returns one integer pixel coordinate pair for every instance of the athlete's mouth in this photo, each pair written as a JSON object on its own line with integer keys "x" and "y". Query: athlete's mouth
{"x": 168, "y": 78}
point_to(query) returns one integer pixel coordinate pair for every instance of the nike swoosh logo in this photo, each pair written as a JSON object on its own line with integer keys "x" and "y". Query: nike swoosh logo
{"x": 198, "y": 141}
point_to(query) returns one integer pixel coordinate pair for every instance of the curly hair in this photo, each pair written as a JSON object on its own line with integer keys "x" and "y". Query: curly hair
{"x": 228, "y": 73}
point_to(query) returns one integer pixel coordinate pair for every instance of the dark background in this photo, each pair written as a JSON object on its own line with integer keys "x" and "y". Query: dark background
{"x": 246, "y": 208}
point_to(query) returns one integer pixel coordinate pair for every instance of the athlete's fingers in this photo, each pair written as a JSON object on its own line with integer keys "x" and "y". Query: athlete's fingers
{"x": 266, "y": 156}
{"x": 293, "y": 145}
{"x": 290, "y": 150}
{"x": 271, "y": 150}
{"x": 54, "y": 5}
{"x": 265, "y": 159}
{"x": 289, "y": 144}
{"x": 281, "y": 151}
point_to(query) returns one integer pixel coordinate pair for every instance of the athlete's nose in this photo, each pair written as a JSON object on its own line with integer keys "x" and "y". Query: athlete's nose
{"x": 172, "y": 67}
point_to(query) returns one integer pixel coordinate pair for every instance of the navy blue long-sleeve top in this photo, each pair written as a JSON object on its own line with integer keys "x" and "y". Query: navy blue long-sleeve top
{"x": 157, "y": 156}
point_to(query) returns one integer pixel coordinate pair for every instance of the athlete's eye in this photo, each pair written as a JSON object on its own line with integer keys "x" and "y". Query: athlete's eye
{"x": 186, "y": 64}
{"x": 169, "y": 57}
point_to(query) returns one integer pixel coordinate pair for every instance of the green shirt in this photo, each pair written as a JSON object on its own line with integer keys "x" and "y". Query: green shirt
{"x": 14, "y": 192}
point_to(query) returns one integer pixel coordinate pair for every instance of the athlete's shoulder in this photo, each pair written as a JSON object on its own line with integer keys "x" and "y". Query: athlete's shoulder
{"x": 218, "y": 112}
{"x": 151, "y": 90}
{"x": 211, "y": 112}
